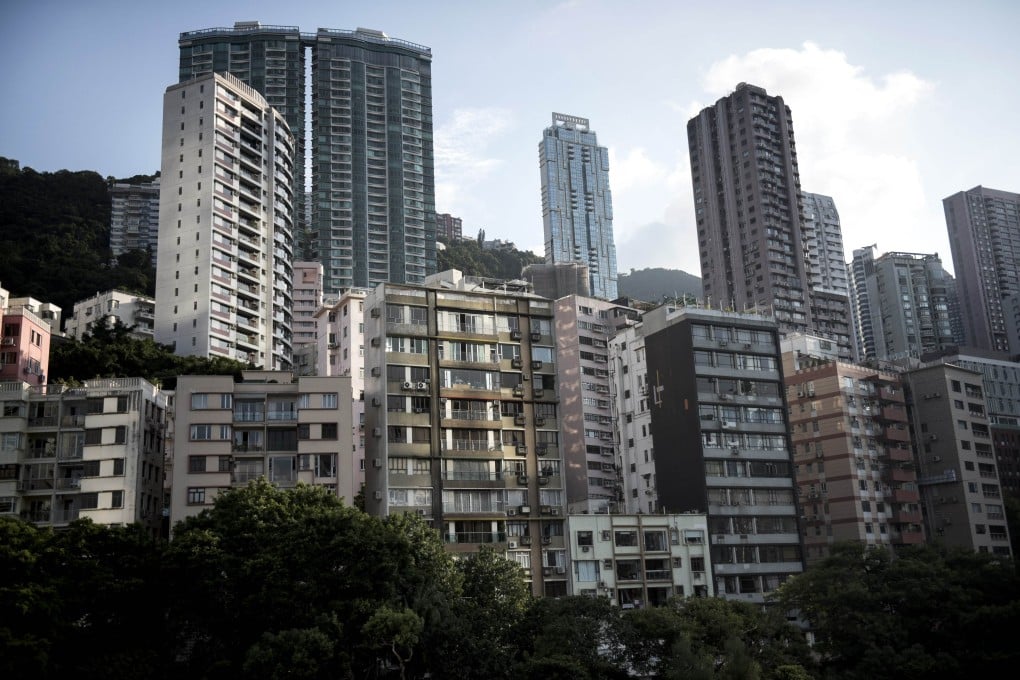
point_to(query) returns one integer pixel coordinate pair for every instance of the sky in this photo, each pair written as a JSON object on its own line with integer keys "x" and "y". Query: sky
{"x": 896, "y": 105}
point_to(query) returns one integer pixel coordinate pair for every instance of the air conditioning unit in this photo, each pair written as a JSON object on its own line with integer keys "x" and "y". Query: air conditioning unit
{"x": 376, "y": 431}
{"x": 423, "y": 385}
{"x": 522, "y": 449}
{"x": 724, "y": 343}
{"x": 607, "y": 563}
{"x": 423, "y": 512}
{"x": 8, "y": 341}
{"x": 747, "y": 345}
{"x": 936, "y": 459}
{"x": 525, "y": 509}
{"x": 536, "y": 364}
{"x": 511, "y": 512}
{"x": 374, "y": 342}
{"x": 535, "y": 336}
{"x": 408, "y": 385}
{"x": 606, "y": 535}
{"x": 725, "y": 397}
{"x": 735, "y": 451}
{"x": 542, "y": 449}
{"x": 602, "y": 584}
{"x": 374, "y": 312}
{"x": 585, "y": 548}
{"x": 729, "y": 424}
{"x": 511, "y": 545}
{"x": 554, "y": 511}
{"x": 376, "y": 401}
{"x": 561, "y": 570}
{"x": 933, "y": 437}
{"x": 376, "y": 371}
{"x": 515, "y": 334}
{"x": 522, "y": 479}
{"x": 377, "y": 463}
{"x": 419, "y": 410}
{"x": 519, "y": 419}
{"x": 516, "y": 362}
{"x": 377, "y": 495}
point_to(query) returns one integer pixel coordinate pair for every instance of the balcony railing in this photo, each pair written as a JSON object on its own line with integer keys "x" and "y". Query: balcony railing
{"x": 475, "y": 537}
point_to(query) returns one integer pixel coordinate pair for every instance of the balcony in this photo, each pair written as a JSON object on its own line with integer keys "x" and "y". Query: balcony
{"x": 474, "y": 537}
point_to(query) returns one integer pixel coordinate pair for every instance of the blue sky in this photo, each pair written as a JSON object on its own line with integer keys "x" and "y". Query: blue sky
{"x": 895, "y": 105}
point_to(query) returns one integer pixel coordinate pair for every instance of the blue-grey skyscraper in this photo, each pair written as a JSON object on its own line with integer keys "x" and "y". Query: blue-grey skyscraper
{"x": 372, "y": 213}
{"x": 577, "y": 207}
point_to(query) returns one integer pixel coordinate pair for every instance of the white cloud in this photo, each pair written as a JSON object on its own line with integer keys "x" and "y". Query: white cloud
{"x": 853, "y": 138}
{"x": 461, "y": 144}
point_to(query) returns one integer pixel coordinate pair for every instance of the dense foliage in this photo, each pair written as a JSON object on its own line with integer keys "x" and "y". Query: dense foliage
{"x": 652, "y": 285}
{"x": 111, "y": 352}
{"x": 925, "y": 612}
{"x": 55, "y": 239}
{"x": 469, "y": 257}
{"x": 277, "y": 583}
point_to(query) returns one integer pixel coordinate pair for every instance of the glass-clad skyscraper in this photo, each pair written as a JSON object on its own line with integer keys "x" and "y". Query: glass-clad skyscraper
{"x": 577, "y": 206}
{"x": 372, "y": 213}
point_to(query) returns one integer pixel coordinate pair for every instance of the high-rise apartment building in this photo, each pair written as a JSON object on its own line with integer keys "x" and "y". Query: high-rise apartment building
{"x": 372, "y": 217}
{"x": 341, "y": 351}
{"x": 903, "y": 304}
{"x": 758, "y": 250}
{"x": 961, "y": 494}
{"x": 271, "y": 424}
{"x": 93, "y": 451}
{"x": 449, "y": 228}
{"x": 584, "y": 328}
{"x": 590, "y": 425}
{"x": 462, "y": 418}
{"x": 635, "y": 458}
{"x": 577, "y": 206}
{"x": 823, "y": 245}
{"x": 854, "y": 461}
{"x": 984, "y": 235}
{"x": 224, "y": 271}
{"x": 134, "y": 217}
{"x": 722, "y": 441}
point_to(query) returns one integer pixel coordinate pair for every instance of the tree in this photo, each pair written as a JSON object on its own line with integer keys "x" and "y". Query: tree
{"x": 264, "y": 561}
{"x": 66, "y": 594}
{"x": 112, "y": 352}
{"x": 569, "y": 631}
{"x": 712, "y": 638}
{"x": 477, "y": 639}
{"x": 396, "y": 630}
{"x": 920, "y": 612}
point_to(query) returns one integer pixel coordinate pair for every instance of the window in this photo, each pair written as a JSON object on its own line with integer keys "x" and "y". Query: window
{"x": 117, "y": 499}
{"x": 585, "y": 538}
{"x": 329, "y": 400}
{"x": 626, "y": 538}
{"x": 196, "y": 495}
{"x": 200, "y": 432}
{"x": 118, "y": 466}
{"x": 196, "y": 464}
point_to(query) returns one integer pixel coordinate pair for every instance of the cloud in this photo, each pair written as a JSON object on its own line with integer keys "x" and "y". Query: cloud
{"x": 853, "y": 134}
{"x": 461, "y": 144}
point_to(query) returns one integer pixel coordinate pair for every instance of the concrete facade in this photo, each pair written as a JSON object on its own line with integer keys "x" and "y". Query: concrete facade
{"x": 272, "y": 424}
{"x": 94, "y": 451}
{"x": 639, "y": 560}
{"x": 224, "y": 276}
{"x": 109, "y": 307}
{"x": 461, "y": 402}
